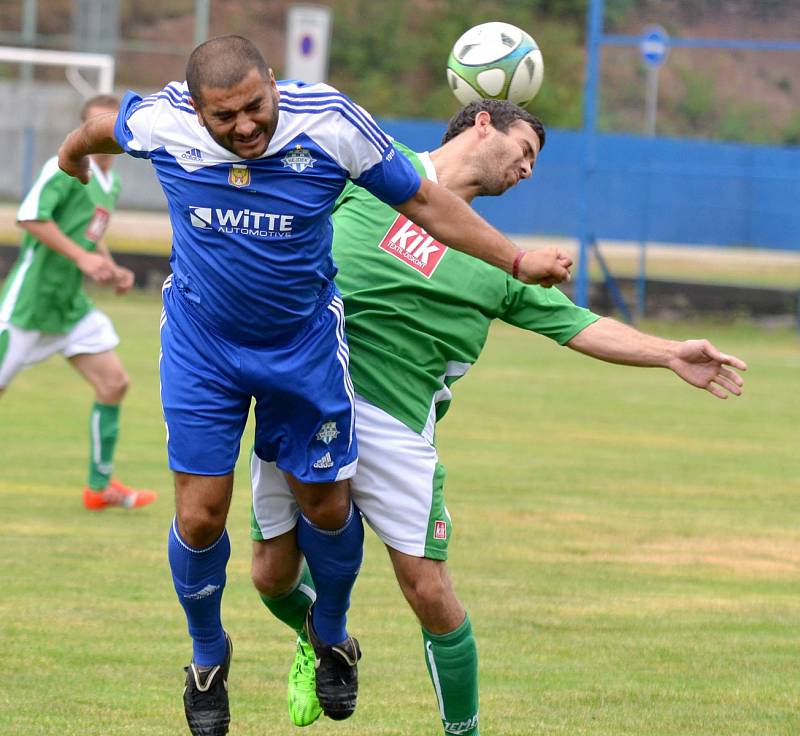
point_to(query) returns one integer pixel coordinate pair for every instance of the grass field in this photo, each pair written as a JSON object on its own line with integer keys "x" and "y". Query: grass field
{"x": 628, "y": 548}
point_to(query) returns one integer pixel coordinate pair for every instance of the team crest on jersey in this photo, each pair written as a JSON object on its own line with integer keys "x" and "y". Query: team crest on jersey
{"x": 298, "y": 159}
{"x": 439, "y": 529}
{"x": 413, "y": 246}
{"x": 239, "y": 176}
{"x": 328, "y": 432}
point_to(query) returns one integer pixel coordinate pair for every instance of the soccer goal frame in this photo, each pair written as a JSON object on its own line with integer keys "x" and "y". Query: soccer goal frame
{"x": 71, "y": 61}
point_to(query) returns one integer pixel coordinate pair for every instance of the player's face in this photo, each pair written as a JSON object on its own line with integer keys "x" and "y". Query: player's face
{"x": 241, "y": 118}
{"x": 507, "y": 158}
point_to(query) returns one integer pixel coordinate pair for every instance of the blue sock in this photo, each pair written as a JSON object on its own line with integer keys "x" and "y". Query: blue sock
{"x": 199, "y": 579}
{"x": 334, "y": 558}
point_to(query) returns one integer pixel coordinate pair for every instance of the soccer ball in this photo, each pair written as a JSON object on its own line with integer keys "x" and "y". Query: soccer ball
{"x": 495, "y": 60}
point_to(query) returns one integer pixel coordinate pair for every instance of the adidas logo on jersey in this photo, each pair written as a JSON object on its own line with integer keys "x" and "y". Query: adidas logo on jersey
{"x": 412, "y": 245}
{"x": 193, "y": 154}
{"x": 324, "y": 462}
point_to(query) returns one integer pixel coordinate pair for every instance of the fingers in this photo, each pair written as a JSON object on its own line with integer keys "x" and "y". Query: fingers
{"x": 728, "y": 385}
{"x": 731, "y": 376}
{"x": 734, "y": 361}
{"x": 715, "y": 390}
{"x": 724, "y": 358}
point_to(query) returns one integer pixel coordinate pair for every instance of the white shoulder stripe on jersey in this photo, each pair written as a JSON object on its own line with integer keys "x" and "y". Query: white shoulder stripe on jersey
{"x": 323, "y": 100}
{"x": 339, "y": 108}
{"x": 7, "y": 307}
{"x": 29, "y": 209}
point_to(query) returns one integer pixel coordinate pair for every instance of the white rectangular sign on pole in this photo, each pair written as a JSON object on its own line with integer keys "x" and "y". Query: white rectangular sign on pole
{"x": 308, "y": 36}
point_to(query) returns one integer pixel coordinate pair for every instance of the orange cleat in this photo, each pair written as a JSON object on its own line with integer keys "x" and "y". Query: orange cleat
{"x": 117, "y": 494}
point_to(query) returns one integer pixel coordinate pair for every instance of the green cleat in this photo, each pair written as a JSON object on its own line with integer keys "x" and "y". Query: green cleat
{"x": 304, "y": 707}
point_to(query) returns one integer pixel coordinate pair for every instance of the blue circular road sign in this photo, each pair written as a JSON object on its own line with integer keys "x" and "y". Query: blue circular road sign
{"x": 654, "y": 45}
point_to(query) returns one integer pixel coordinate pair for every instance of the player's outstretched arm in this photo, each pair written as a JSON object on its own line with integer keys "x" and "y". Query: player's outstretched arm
{"x": 94, "y": 265}
{"x": 96, "y": 135}
{"x": 453, "y": 222}
{"x": 697, "y": 362}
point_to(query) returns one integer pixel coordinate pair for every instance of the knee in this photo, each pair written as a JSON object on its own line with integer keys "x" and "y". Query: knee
{"x": 111, "y": 389}
{"x": 272, "y": 578}
{"x": 201, "y": 525}
{"x": 328, "y": 511}
{"x": 425, "y": 592}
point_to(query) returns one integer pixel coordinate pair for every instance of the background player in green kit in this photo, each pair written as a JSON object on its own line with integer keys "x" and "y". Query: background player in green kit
{"x": 44, "y": 309}
{"x": 417, "y": 317}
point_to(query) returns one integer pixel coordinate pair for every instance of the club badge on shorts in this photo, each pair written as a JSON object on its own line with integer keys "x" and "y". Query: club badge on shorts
{"x": 439, "y": 529}
{"x": 328, "y": 432}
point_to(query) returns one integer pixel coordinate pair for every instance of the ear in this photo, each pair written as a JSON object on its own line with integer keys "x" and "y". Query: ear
{"x": 198, "y": 111}
{"x": 273, "y": 84}
{"x": 483, "y": 123}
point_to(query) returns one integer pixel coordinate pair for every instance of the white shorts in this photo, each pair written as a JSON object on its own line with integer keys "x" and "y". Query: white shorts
{"x": 22, "y": 348}
{"x": 398, "y": 486}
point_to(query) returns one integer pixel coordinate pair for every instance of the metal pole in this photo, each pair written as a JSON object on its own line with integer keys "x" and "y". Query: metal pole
{"x": 28, "y": 36}
{"x": 585, "y": 224}
{"x": 29, "y": 13}
{"x": 651, "y": 109}
{"x": 651, "y": 100}
{"x": 201, "y": 14}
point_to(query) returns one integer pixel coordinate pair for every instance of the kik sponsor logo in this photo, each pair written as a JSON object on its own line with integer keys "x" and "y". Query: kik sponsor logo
{"x": 241, "y": 222}
{"x": 412, "y": 245}
{"x": 98, "y": 224}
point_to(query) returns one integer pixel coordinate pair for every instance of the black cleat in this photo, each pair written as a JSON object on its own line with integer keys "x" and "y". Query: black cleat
{"x": 205, "y": 697}
{"x": 337, "y": 673}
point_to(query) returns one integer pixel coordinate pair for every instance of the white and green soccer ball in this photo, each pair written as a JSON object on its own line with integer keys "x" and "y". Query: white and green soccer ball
{"x": 495, "y": 60}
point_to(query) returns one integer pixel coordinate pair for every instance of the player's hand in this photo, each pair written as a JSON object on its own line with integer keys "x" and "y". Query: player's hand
{"x": 79, "y": 168}
{"x": 546, "y": 266}
{"x": 97, "y": 267}
{"x": 699, "y": 363}
{"x": 123, "y": 280}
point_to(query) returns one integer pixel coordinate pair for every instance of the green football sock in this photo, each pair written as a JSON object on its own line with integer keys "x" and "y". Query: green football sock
{"x": 291, "y": 608}
{"x": 452, "y": 661}
{"x": 103, "y": 431}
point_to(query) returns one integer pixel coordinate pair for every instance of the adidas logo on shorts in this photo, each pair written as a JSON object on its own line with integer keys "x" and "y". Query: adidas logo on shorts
{"x": 324, "y": 462}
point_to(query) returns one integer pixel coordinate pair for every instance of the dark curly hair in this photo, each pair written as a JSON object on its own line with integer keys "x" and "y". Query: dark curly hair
{"x": 503, "y": 113}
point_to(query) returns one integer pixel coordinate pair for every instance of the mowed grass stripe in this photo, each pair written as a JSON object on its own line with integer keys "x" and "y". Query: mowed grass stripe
{"x": 628, "y": 549}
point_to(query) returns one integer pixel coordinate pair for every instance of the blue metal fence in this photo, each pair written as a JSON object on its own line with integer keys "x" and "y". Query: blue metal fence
{"x": 648, "y": 189}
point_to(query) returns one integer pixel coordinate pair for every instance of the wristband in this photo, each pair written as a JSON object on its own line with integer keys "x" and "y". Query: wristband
{"x": 517, "y": 261}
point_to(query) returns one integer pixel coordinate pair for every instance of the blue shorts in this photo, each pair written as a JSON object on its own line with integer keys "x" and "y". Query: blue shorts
{"x": 304, "y": 405}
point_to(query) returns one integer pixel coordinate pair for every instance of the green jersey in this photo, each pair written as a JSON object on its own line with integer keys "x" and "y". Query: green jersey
{"x": 418, "y": 313}
{"x": 44, "y": 290}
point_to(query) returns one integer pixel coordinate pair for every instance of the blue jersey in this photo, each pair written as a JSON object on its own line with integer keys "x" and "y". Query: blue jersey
{"x": 251, "y": 248}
